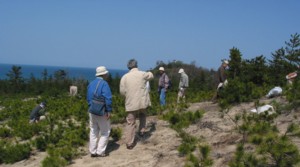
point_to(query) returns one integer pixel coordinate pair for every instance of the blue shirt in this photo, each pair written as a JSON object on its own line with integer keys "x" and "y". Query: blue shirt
{"x": 103, "y": 90}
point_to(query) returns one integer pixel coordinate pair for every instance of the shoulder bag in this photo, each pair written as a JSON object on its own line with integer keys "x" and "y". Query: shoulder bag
{"x": 97, "y": 106}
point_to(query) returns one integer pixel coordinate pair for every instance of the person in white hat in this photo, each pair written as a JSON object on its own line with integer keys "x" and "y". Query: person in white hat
{"x": 163, "y": 85}
{"x": 99, "y": 124}
{"x": 137, "y": 100}
{"x": 183, "y": 84}
{"x": 222, "y": 79}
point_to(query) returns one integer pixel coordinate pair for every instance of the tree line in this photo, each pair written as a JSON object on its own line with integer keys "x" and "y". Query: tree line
{"x": 248, "y": 73}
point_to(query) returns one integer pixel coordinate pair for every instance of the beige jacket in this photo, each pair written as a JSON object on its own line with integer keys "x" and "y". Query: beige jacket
{"x": 133, "y": 87}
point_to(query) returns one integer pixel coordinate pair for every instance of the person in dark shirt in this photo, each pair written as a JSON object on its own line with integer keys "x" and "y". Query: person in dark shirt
{"x": 222, "y": 79}
{"x": 37, "y": 112}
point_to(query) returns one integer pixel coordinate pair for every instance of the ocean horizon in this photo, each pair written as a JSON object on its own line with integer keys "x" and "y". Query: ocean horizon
{"x": 72, "y": 72}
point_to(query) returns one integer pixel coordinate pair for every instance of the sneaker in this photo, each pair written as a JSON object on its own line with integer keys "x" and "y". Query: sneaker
{"x": 98, "y": 155}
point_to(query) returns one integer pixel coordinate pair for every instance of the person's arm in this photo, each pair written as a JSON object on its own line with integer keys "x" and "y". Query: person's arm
{"x": 106, "y": 93}
{"x": 166, "y": 81}
{"x": 148, "y": 76}
{"x": 122, "y": 86}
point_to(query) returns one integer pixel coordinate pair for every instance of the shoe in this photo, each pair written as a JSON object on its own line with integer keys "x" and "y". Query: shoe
{"x": 102, "y": 155}
{"x": 141, "y": 134}
{"x": 129, "y": 147}
{"x": 98, "y": 155}
{"x": 94, "y": 155}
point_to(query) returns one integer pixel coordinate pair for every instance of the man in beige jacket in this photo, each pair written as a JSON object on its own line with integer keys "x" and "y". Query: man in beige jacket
{"x": 137, "y": 99}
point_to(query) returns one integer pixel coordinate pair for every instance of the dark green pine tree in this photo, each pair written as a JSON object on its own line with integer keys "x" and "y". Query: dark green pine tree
{"x": 235, "y": 63}
{"x": 277, "y": 68}
{"x": 15, "y": 78}
{"x": 293, "y": 50}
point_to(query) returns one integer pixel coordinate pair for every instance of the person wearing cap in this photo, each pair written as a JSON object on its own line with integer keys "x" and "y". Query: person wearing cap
{"x": 99, "y": 124}
{"x": 183, "y": 84}
{"x": 163, "y": 84}
{"x": 137, "y": 100}
{"x": 37, "y": 113}
{"x": 222, "y": 79}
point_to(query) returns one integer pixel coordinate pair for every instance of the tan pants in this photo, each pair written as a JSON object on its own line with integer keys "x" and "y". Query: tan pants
{"x": 131, "y": 125}
{"x": 181, "y": 95}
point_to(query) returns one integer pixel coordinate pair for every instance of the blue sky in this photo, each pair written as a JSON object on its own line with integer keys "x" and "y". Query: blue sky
{"x": 89, "y": 33}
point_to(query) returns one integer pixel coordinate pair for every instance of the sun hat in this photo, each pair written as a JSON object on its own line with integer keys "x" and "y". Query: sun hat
{"x": 180, "y": 71}
{"x": 225, "y": 61}
{"x": 101, "y": 70}
{"x": 161, "y": 69}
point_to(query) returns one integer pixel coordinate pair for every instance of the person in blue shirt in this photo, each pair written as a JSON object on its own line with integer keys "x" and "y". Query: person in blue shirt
{"x": 99, "y": 124}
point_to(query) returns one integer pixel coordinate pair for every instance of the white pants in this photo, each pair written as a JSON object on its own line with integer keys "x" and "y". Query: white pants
{"x": 99, "y": 133}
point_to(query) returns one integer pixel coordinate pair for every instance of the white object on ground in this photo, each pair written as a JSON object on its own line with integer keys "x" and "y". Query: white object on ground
{"x": 276, "y": 91}
{"x": 264, "y": 108}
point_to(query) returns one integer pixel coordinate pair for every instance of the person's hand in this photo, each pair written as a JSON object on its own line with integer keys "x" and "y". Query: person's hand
{"x": 108, "y": 114}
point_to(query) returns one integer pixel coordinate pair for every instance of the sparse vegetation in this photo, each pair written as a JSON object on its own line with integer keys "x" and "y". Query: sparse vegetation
{"x": 66, "y": 125}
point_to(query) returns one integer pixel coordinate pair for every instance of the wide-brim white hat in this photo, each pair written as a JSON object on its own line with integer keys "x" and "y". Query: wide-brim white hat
{"x": 101, "y": 70}
{"x": 161, "y": 69}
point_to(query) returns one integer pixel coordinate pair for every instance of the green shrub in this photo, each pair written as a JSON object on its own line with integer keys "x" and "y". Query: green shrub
{"x": 116, "y": 133}
{"x": 54, "y": 161}
{"x": 15, "y": 153}
{"x": 205, "y": 160}
{"x": 41, "y": 143}
{"x": 5, "y": 132}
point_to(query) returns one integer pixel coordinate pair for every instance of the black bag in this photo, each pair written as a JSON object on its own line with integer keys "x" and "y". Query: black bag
{"x": 97, "y": 106}
{"x": 169, "y": 84}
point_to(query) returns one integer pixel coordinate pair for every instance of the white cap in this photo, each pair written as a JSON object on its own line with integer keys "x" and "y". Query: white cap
{"x": 161, "y": 69}
{"x": 101, "y": 70}
{"x": 180, "y": 71}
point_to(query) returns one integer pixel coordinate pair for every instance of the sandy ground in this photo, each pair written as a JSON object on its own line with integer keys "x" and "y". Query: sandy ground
{"x": 159, "y": 147}
{"x": 219, "y": 132}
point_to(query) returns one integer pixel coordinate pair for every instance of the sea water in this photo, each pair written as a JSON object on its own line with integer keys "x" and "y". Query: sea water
{"x": 72, "y": 72}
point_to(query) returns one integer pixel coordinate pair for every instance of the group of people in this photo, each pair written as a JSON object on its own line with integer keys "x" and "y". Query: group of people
{"x": 134, "y": 86}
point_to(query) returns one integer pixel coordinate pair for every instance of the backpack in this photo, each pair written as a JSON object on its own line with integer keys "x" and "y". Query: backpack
{"x": 169, "y": 84}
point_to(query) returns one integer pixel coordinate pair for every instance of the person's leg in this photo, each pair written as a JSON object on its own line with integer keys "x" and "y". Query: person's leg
{"x": 179, "y": 95}
{"x": 162, "y": 97}
{"x": 94, "y": 133}
{"x": 130, "y": 129}
{"x": 183, "y": 94}
{"x": 142, "y": 118}
{"x": 104, "y": 125}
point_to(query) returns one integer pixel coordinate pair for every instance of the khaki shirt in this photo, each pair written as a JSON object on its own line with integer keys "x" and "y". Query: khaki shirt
{"x": 133, "y": 87}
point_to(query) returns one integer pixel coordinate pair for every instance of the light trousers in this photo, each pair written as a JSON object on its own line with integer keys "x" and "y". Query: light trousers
{"x": 131, "y": 125}
{"x": 99, "y": 133}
